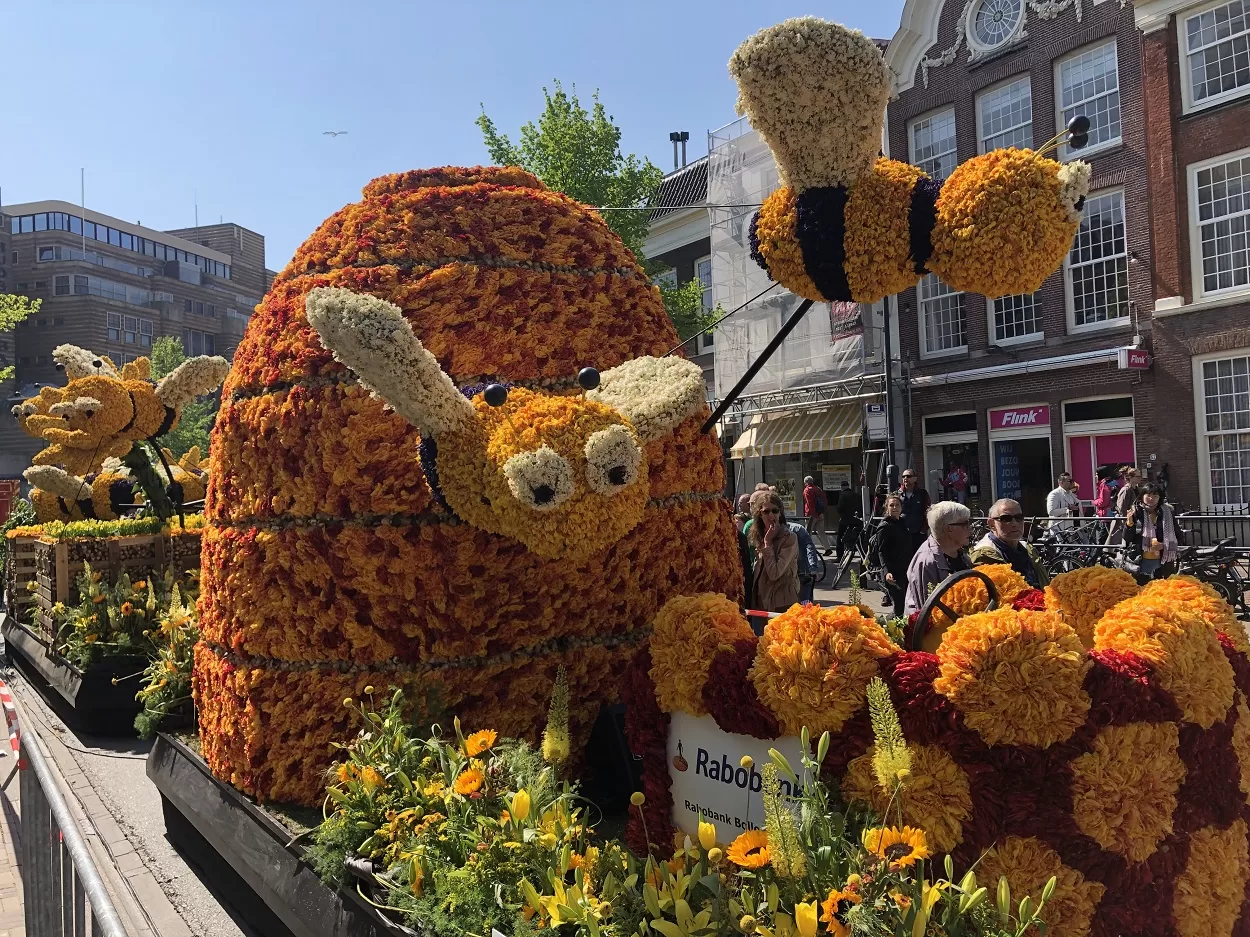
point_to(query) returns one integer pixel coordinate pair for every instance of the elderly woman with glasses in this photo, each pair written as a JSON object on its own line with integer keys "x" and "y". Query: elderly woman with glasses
{"x": 1005, "y": 543}
{"x": 775, "y": 579}
{"x": 942, "y": 553}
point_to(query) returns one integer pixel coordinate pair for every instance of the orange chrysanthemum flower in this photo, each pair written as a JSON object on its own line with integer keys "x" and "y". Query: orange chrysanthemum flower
{"x": 480, "y": 741}
{"x": 127, "y": 608}
{"x": 750, "y": 850}
{"x": 469, "y": 781}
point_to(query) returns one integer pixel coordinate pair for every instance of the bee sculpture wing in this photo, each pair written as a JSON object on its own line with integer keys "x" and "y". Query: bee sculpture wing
{"x": 656, "y": 395}
{"x": 816, "y": 92}
{"x": 193, "y": 377}
{"x": 372, "y": 337}
{"x": 80, "y": 362}
{"x": 58, "y": 481}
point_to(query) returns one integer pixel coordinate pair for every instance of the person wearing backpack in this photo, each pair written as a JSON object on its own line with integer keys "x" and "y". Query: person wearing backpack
{"x": 814, "y": 506}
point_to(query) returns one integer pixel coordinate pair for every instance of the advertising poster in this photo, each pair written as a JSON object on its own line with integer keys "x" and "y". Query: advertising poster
{"x": 832, "y": 476}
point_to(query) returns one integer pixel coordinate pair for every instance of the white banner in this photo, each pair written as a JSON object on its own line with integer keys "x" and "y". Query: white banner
{"x": 709, "y": 780}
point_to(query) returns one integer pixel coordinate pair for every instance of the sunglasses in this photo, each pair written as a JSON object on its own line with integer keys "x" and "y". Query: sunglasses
{"x": 958, "y": 524}
{"x": 905, "y": 477}
{"x": 770, "y": 511}
{"x": 1009, "y": 518}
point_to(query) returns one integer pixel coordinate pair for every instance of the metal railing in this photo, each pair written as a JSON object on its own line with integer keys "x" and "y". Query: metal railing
{"x": 62, "y": 889}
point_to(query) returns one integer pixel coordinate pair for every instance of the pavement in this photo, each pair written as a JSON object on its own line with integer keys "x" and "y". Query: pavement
{"x": 12, "y": 915}
{"x": 156, "y": 892}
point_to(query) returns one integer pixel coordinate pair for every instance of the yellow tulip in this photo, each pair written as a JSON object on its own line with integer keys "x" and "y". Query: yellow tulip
{"x": 707, "y": 835}
{"x": 805, "y": 918}
{"x": 520, "y": 805}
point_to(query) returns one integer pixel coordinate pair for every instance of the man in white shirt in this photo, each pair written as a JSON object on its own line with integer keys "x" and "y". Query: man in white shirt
{"x": 1063, "y": 503}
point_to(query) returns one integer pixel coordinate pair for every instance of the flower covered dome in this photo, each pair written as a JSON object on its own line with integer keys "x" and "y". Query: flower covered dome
{"x": 336, "y": 559}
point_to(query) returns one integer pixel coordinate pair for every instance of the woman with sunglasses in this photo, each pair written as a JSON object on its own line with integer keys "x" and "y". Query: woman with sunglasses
{"x": 1005, "y": 543}
{"x": 775, "y": 580}
{"x": 942, "y": 553}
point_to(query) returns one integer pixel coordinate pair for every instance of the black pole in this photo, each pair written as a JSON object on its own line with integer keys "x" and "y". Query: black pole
{"x": 786, "y": 328}
{"x": 889, "y": 391}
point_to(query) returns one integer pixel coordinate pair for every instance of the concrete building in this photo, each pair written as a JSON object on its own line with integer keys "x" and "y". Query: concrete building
{"x": 1196, "y": 85}
{"x": 1015, "y": 390}
{"x": 114, "y": 286}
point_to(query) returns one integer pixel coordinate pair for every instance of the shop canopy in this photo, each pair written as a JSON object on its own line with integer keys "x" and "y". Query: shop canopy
{"x": 806, "y": 431}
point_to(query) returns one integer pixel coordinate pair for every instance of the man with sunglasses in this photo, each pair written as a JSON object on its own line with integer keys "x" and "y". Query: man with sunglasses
{"x": 916, "y": 504}
{"x": 1005, "y": 543}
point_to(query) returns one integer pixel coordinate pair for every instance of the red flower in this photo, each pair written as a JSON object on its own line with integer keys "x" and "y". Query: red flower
{"x": 731, "y": 698}
{"x": 1031, "y": 600}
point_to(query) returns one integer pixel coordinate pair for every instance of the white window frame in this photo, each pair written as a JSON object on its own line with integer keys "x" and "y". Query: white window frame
{"x": 999, "y": 86}
{"x": 991, "y": 306}
{"x": 911, "y": 136}
{"x": 1122, "y": 322}
{"x": 1064, "y": 153}
{"x": 970, "y": 31}
{"x": 1188, "y": 104}
{"x": 1195, "y": 241}
{"x": 1200, "y": 419}
{"x": 707, "y": 340}
{"x": 667, "y": 277}
{"x": 951, "y": 352}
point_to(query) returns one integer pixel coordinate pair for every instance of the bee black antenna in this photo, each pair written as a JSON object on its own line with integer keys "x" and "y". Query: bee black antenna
{"x": 1075, "y": 135}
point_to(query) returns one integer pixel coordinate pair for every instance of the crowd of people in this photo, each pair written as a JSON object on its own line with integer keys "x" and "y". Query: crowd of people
{"x": 916, "y": 544}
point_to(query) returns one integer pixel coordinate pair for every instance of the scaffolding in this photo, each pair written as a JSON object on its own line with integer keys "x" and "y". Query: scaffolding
{"x": 829, "y": 345}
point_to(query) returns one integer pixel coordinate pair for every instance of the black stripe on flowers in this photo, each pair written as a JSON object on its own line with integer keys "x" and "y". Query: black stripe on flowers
{"x": 922, "y": 219}
{"x": 821, "y": 231}
{"x": 428, "y": 454}
{"x": 754, "y": 238}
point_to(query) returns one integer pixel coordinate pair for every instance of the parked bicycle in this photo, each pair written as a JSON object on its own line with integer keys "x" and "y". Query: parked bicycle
{"x": 1218, "y": 565}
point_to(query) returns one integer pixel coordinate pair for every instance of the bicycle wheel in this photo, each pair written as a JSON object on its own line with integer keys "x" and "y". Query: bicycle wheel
{"x": 822, "y": 571}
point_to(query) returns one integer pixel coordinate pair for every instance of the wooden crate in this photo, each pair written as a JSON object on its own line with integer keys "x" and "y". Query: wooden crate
{"x": 58, "y": 564}
{"x": 19, "y": 571}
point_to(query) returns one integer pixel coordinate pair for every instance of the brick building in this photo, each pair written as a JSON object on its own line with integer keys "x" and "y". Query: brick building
{"x": 113, "y": 286}
{"x": 1015, "y": 390}
{"x": 1196, "y": 61}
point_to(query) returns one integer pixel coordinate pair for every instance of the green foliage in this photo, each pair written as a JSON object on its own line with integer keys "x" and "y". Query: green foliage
{"x": 196, "y": 423}
{"x": 167, "y": 679}
{"x": 123, "y": 527}
{"x": 578, "y": 152}
{"x": 14, "y": 309}
{"x": 684, "y": 305}
{"x": 21, "y": 514}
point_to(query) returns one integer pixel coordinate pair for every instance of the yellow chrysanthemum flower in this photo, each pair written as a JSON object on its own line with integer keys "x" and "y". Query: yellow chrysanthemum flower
{"x": 749, "y": 850}
{"x": 469, "y": 781}
{"x": 687, "y": 633}
{"x": 969, "y": 596}
{"x": 1028, "y": 864}
{"x": 480, "y": 741}
{"x": 1209, "y": 893}
{"x": 1081, "y": 597}
{"x": 938, "y": 797}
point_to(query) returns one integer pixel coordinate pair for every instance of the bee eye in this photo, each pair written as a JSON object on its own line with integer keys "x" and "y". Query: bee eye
{"x": 541, "y": 480}
{"x": 613, "y": 459}
{"x": 90, "y": 413}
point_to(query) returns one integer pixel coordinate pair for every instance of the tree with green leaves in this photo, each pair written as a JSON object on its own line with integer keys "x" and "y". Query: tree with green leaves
{"x": 197, "y": 416}
{"x": 578, "y": 152}
{"x": 13, "y": 309}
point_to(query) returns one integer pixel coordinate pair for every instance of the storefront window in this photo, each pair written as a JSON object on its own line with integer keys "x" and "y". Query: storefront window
{"x": 1020, "y": 455}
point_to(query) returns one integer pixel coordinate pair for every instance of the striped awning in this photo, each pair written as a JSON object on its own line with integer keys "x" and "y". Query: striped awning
{"x": 808, "y": 431}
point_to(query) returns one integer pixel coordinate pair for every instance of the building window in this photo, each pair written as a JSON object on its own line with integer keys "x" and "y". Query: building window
{"x": 195, "y": 342}
{"x": 941, "y": 315}
{"x": 188, "y": 305}
{"x": 1217, "y": 48}
{"x": 1098, "y": 263}
{"x": 1226, "y": 404}
{"x": 993, "y": 22}
{"x": 46, "y": 254}
{"x": 1006, "y": 116}
{"x": 82, "y": 285}
{"x": 145, "y": 332}
{"x": 1016, "y": 317}
{"x": 41, "y": 284}
{"x": 14, "y": 258}
{"x": 211, "y": 311}
{"x": 1221, "y": 200}
{"x": 60, "y": 286}
{"x": 130, "y": 330}
{"x": 114, "y": 327}
{"x": 703, "y": 273}
{"x": 933, "y": 144}
{"x": 1089, "y": 84}
{"x": 199, "y": 309}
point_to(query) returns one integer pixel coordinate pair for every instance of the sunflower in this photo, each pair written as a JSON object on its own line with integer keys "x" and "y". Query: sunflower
{"x": 750, "y": 850}
{"x": 835, "y": 908}
{"x": 479, "y": 742}
{"x": 469, "y": 781}
{"x": 901, "y": 847}
{"x": 127, "y": 608}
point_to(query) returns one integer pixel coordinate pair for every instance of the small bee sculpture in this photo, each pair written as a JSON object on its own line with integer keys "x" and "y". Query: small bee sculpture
{"x": 99, "y": 415}
{"x": 565, "y": 476}
{"x": 849, "y": 225}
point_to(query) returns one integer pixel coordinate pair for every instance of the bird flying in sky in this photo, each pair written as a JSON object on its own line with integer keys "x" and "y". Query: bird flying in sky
{"x": 333, "y": 133}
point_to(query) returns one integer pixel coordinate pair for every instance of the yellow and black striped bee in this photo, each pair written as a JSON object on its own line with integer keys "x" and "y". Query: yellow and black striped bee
{"x": 850, "y": 225}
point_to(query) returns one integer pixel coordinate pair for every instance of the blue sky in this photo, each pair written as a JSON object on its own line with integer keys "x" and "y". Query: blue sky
{"x": 224, "y": 102}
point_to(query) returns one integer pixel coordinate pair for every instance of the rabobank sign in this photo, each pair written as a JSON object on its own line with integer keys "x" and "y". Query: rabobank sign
{"x": 709, "y": 781}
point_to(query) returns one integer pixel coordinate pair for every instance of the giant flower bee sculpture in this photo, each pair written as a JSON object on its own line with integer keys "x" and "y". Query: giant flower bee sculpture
{"x": 849, "y": 225}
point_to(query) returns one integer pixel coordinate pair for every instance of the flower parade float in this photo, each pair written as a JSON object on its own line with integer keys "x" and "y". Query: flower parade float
{"x": 85, "y": 585}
